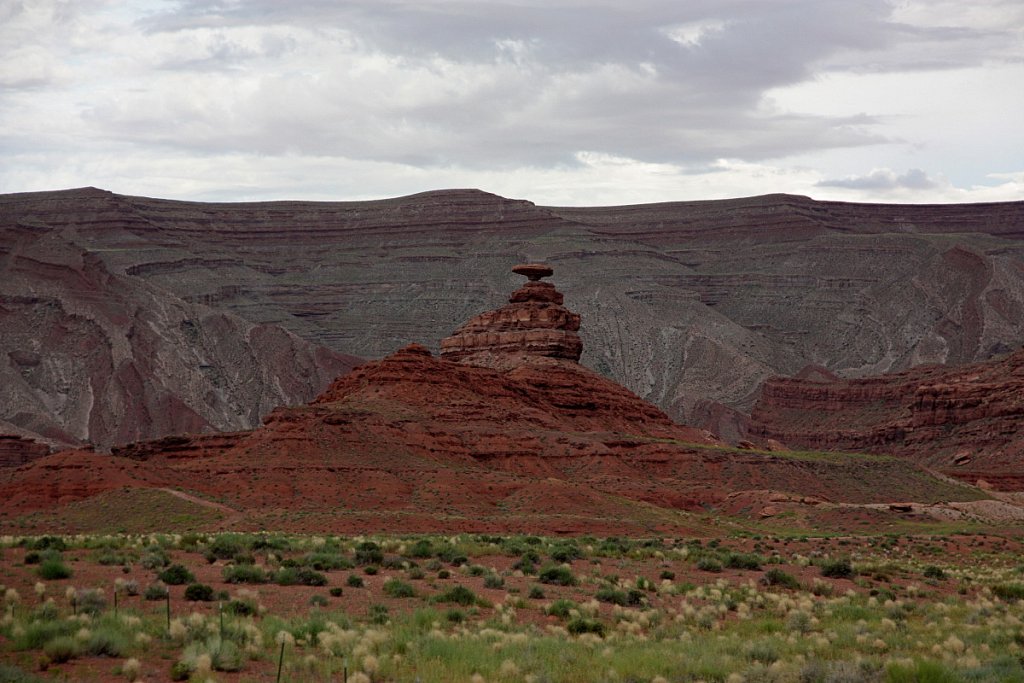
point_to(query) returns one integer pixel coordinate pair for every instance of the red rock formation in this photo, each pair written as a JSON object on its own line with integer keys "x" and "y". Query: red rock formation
{"x": 17, "y": 450}
{"x": 966, "y": 421}
{"x": 534, "y": 323}
{"x": 689, "y": 304}
{"x": 417, "y": 443}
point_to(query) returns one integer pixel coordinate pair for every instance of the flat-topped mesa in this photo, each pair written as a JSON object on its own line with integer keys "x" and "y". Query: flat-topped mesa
{"x": 534, "y": 323}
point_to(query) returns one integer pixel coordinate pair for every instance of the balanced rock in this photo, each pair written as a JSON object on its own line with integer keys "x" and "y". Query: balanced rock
{"x": 533, "y": 323}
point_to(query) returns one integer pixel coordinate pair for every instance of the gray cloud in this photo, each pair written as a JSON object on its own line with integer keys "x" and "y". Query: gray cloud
{"x": 482, "y": 86}
{"x": 522, "y": 82}
{"x": 884, "y": 179}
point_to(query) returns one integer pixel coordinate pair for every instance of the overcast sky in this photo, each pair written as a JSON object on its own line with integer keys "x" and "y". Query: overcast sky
{"x": 557, "y": 101}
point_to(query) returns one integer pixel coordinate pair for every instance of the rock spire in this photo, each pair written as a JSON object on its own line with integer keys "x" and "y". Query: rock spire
{"x": 534, "y": 322}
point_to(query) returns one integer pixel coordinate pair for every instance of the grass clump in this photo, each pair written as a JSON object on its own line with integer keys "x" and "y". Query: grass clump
{"x": 395, "y": 588}
{"x": 746, "y": 561}
{"x": 837, "y": 569}
{"x": 777, "y": 577}
{"x": 459, "y": 595}
{"x": 581, "y": 625}
{"x": 561, "y": 608}
{"x": 155, "y": 591}
{"x": 53, "y": 569}
{"x": 62, "y": 649}
{"x": 557, "y": 575}
{"x": 244, "y": 573}
{"x": 304, "y": 576}
{"x": 709, "y": 564}
{"x": 1008, "y": 591}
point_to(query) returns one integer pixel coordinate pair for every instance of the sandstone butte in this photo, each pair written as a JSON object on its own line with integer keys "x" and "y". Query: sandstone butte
{"x": 691, "y": 305}
{"x": 965, "y": 421}
{"x": 514, "y": 435}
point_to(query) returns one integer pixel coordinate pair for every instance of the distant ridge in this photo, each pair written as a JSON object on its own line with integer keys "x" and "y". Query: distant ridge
{"x": 690, "y": 304}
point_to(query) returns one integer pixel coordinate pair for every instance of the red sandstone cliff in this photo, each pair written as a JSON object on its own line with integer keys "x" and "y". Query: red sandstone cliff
{"x": 967, "y": 422}
{"x": 510, "y": 437}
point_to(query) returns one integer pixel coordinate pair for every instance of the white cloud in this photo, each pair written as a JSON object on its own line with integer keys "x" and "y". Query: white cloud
{"x": 639, "y": 99}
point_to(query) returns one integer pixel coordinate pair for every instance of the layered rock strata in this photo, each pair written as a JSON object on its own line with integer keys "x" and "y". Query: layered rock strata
{"x": 534, "y": 323}
{"x": 965, "y": 422}
{"x": 17, "y": 450}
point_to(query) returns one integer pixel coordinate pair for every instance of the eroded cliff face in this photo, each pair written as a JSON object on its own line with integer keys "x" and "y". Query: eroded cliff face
{"x": 513, "y": 436}
{"x": 534, "y": 322}
{"x": 691, "y": 304}
{"x": 966, "y": 421}
{"x": 89, "y": 356}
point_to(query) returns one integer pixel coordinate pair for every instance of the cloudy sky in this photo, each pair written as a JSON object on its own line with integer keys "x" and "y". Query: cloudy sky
{"x": 557, "y": 101}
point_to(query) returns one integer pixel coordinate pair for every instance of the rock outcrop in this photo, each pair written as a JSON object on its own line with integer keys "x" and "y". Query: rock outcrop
{"x": 88, "y": 356}
{"x": 17, "y": 450}
{"x": 965, "y": 422}
{"x": 533, "y": 323}
{"x": 691, "y": 305}
{"x": 516, "y": 440}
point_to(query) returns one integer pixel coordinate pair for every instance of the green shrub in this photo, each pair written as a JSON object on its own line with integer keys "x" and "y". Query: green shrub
{"x": 708, "y": 564}
{"x": 761, "y": 652}
{"x": 458, "y": 594}
{"x": 369, "y": 552}
{"x": 225, "y": 547}
{"x": 612, "y": 595}
{"x": 493, "y": 581}
{"x": 1008, "y": 591}
{"x": 90, "y": 601}
{"x": 244, "y": 573}
{"x": 242, "y": 608}
{"x": 49, "y": 543}
{"x": 12, "y": 674}
{"x": 62, "y": 649}
{"x": 557, "y": 575}
{"x": 925, "y": 671}
{"x": 566, "y": 552}
{"x": 291, "y": 576}
{"x": 743, "y": 561}
{"x": 581, "y": 625}
{"x": 398, "y": 589}
{"x": 53, "y": 569}
{"x": 777, "y": 577}
{"x": 378, "y": 614}
{"x": 422, "y": 549}
{"x": 106, "y": 641}
{"x": 318, "y": 601}
{"x": 155, "y": 559}
{"x": 155, "y": 591}
{"x": 354, "y": 581}
{"x": 199, "y": 592}
{"x": 37, "y": 633}
{"x": 336, "y": 592}
{"x": 838, "y": 569}
{"x": 667, "y": 575}
{"x": 536, "y": 593}
{"x": 176, "y": 575}
{"x": 561, "y": 608}
{"x": 933, "y": 572}
{"x": 323, "y": 562}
